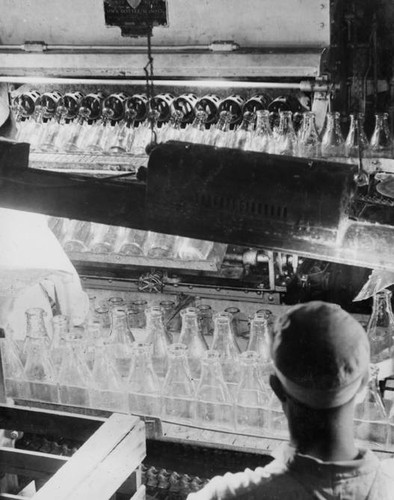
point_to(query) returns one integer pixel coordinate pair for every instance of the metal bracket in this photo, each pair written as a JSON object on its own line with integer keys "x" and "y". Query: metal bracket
{"x": 3, "y": 398}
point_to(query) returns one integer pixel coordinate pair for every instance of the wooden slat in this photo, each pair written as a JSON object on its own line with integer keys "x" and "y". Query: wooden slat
{"x": 8, "y": 496}
{"x": 78, "y": 427}
{"x": 139, "y": 494}
{"x": 88, "y": 458}
{"x": 132, "y": 483}
{"x": 111, "y": 473}
{"x": 30, "y": 463}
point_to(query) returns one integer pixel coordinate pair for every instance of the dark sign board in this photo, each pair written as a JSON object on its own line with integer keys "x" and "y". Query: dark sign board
{"x": 135, "y": 17}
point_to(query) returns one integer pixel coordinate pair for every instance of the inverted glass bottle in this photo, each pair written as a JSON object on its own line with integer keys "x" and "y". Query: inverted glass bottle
{"x": 370, "y": 416}
{"x": 192, "y": 249}
{"x": 252, "y": 399}
{"x": 158, "y": 337}
{"x": 74, "y": 379}
{"x": 178, "y": 389}
{"x": 332, "y": 142}
{"x": 105, "y": 239}
{"x": 132, "y": 242}
{"x": 107, "y": 390}
{"x": 380, "y": 328}
{"x": 143, "y": 385}
{"x": 224, "y": 342}
{"x": 121, "y": 339}
{"x": 214, "y": 405}
{"x": 192, "y": 338}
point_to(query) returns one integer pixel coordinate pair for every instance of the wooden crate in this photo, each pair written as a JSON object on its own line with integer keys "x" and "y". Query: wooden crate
{"x": 106, "y": 466}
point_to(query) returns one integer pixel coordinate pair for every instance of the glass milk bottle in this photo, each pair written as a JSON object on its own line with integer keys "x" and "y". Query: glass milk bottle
{"x": 61, "y": 332}
{"x": 159, "y": 339}
{"x": 107, "y": 390}
{"x": 390, "y": 437}
{"x": 252, "y": 400}
{"x": 380, "y": 330}
{"x": 262, "y": 139}
{"x": 258, "y": 342}
{"x": 191, "y": 336}
{"x": 309, "y": 144}
{"x": 356, "y": 137}
{"x": 35, "y": 328}
{"x": 285, "y": 137}
{"x": 40, "y": 372}
{"x": 224, "y": 342}
{"x": 214, "y": 405}
{"x": 178, "y": 389}
{"x": 74, "y": 378}
{"x": 370, "y": 416}
{"x": 16, "y": 385}
{"x": 381, "y": 145}
{"x": 143, "y": 386}
{"x": 242, "y": 136}
{"x": 120, "y": 340}
{"x": 332, "y": 142}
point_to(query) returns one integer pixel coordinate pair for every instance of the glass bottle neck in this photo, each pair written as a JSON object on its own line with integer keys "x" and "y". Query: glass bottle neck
{"x": 262, "y": 122}
{"x": 224, "y": 121}
{"x": 35, "y": 326}
{"x": 286, "y": 122}
{"x": 246, "y": 121}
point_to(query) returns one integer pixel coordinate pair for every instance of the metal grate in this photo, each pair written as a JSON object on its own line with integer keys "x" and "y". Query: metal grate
{"x": 242, "y": 206}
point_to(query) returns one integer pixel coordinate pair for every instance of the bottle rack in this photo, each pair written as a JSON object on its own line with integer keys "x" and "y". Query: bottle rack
{"x": 89, "y": 164}
{"x": 212, "y": 263}
{"x": 93, "y": 471}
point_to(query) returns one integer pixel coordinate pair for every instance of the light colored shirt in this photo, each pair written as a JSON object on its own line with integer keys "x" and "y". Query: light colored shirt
{"x": 293, "y": 476}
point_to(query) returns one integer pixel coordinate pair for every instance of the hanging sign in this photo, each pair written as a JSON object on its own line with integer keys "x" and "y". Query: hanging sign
{"x": 135, "y": 17}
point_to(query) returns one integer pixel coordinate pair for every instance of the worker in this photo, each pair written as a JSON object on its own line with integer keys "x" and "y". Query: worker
{"x": 321, "y": 362}
{"x": 7, "y": 119}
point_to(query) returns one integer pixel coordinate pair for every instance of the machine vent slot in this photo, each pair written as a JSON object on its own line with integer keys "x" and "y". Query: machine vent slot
{"x": 252, "y": 207}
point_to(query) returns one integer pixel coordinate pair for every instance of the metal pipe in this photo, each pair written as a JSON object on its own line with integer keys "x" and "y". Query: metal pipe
{"x": 34, "y": 46}
{"x": 305, "y": 86}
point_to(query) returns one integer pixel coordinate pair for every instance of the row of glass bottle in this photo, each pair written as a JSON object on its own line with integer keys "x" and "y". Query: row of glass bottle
{"x": 120, "y": 123}
{"x": 182, "y": 382}
{"x": 255, "y": 133}
{"x": 117, "y": 130}
{"x": 83, "y": 236}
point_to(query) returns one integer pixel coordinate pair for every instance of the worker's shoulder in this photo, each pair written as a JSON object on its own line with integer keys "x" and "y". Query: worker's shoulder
{"x": 387, "y": 467}
{"x": 272, "y": 481}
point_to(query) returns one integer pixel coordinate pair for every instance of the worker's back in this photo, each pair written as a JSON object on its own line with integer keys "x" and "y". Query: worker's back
{"x": 300, "y": 477}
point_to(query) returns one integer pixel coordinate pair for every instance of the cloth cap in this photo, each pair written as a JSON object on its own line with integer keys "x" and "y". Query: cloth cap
{"x": 320, "y": 354}
{"x": 4, "y": 105}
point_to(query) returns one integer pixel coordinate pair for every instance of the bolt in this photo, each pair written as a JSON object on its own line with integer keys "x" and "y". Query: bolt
{"x": 322, "y": 25}
{"x": 270, "y": 298}
{"x": 14, "y": 435}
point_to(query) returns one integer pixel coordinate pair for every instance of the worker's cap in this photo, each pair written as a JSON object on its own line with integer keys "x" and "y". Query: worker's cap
{"x": 320, "y": 354}
{"x": 4, "y": 105}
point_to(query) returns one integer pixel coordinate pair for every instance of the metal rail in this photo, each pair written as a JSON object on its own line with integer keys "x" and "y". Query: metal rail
{"x": 305, "y": 85}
